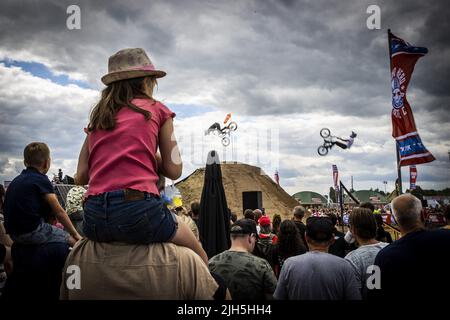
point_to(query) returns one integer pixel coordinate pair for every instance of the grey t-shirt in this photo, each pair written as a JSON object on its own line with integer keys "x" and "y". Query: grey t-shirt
{"x": 361, "y": 259}
{"x": 317, "y": 276}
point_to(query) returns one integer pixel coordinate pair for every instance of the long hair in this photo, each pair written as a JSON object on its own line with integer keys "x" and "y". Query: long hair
{"x": 364, "y": 223}
{"x": 289, "y": 240}
{"x": 276, "y": 221}
{"x": 116, "y": 96}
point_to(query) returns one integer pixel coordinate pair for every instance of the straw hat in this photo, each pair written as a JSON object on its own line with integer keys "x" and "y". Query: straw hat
{"x": 128, "y": 64}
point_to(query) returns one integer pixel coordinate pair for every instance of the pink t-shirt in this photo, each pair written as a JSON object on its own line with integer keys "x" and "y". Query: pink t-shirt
{"x": 125, "y": 157}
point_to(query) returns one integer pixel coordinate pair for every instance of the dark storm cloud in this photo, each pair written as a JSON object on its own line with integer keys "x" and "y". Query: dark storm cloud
{"x": 258, "y": 45}
{"x": 39, "y": 28}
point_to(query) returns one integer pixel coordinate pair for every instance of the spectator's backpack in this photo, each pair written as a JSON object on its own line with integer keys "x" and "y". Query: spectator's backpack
{"x": 264, "y": 249}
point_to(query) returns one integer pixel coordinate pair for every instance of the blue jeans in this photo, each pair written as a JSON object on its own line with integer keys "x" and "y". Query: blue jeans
{"x": 44, "y": 233}
{"x": 109, "y": 217}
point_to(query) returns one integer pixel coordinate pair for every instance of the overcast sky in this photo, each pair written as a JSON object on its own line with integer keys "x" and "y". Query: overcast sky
{"x": 284, "y": 69}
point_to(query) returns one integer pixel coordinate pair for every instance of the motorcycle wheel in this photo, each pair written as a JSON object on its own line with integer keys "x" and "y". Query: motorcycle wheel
{"x": 232, "y": 126}
{"x": 225, "y": 141}
{"x": 325, "y": 133}
{"x": 322, "y": 151}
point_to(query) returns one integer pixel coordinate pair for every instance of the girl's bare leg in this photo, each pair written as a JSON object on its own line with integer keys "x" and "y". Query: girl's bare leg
{"x": 185, "y": 237}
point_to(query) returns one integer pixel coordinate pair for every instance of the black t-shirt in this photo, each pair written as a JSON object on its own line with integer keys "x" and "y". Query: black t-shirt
{"x": 302, "y": 229}
{"x": 25, "y": 207}
{"x": 415, "y": 267}
{"x": 339, "y": 247}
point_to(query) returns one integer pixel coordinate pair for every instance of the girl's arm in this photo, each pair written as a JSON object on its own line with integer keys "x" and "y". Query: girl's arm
{"x": 82, "y": 175}
{"x": 171, "y": 165}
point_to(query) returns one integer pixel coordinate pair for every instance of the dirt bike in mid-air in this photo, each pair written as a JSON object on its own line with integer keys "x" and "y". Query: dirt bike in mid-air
{"x": 224, "y": 132}
{"x": 329, "y": 141}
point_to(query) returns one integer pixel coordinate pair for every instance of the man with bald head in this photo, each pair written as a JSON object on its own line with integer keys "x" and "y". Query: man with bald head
{"x": 415, "y": 266}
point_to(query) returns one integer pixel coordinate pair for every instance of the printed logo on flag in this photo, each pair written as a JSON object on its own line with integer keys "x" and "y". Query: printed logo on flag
{"x": 404, "y": 57}
{"x": 398, "y": 78}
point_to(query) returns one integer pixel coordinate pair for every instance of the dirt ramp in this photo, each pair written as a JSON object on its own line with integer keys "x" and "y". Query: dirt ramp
{"x": 238, "y": 178}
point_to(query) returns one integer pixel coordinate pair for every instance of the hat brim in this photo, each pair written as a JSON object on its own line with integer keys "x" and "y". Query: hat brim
{"x": 130, "y": 74}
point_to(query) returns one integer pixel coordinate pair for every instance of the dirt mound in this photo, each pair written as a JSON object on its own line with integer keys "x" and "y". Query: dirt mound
{"x": 237, "y": 178}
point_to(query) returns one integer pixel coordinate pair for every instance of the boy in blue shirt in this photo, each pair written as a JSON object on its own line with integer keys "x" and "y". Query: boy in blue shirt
{"x": 30, "y": 200}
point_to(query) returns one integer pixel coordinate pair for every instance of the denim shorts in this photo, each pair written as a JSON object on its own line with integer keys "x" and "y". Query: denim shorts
{"x": 44, "y": 233}
{"x": 109, "y": 217}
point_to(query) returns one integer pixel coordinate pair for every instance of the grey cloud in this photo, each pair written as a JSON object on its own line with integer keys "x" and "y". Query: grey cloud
{"x": 291, "y": 44}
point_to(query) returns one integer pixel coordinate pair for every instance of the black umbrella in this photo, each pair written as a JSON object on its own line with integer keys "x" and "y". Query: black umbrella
{"x": 214, "y": 220}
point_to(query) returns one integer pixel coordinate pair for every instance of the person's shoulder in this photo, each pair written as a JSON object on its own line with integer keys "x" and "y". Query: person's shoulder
{"x": 38, "y": 177}
{"x": 365, "y": 250}
{"x": 390, "y": 250}
{"x": 173, "y": 249}
{"x": 299, "y": 223}
{"x": 220, "y": 256}
{"x": 154, "y": 105}
{"x": 158, "y": 104}
{"x": 353, "y": 255}
{"x": 296, "y": 259}
{"x": 186, "y": 256}
{"x": 331, "y": 259}
{"x": 439, "y": 233}
{"x": 437, "y": 237}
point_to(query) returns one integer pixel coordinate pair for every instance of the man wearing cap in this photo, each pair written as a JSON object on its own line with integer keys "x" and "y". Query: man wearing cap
{"x": 317, "y": 275}
{"x": 247, "y": 277}
{"x": 266, "y": 240}
{"x": 265, "y": 230}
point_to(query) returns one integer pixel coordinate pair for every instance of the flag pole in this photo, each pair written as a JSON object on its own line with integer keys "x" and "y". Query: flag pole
{"x": 397, "y": 150}
{"x": 341, "y": 204}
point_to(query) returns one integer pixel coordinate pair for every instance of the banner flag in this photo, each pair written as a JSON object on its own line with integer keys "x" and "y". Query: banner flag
{"x": 277, "y": 177}
{"x": 335, "y": 180}
{"x": 403, "y": 59}
{"x": 412, "y": 177}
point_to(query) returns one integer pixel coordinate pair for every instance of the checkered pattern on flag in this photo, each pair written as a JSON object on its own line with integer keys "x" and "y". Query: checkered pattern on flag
{"x": 403, "y": 59}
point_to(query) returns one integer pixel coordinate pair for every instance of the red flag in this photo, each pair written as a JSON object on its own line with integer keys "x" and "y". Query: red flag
{"x": 412, "y": 177}
{"x": 336, "y": 180}
{"x": 335, "y": 176}
{"x": 403, "y": 59}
